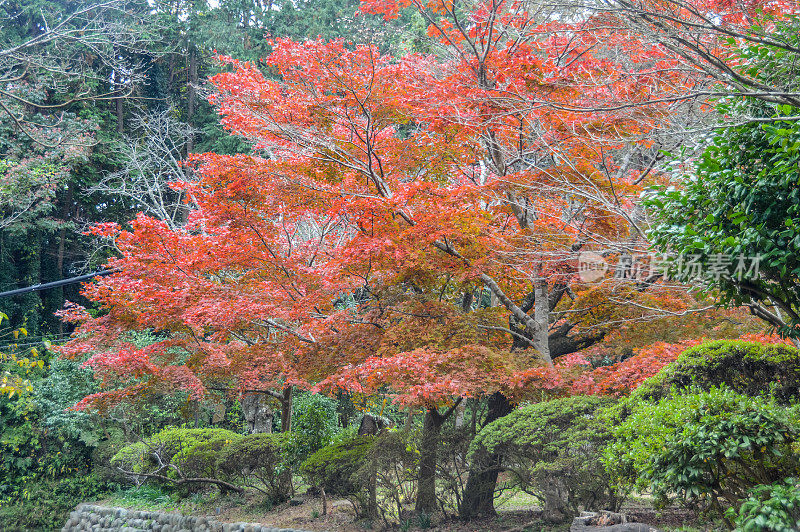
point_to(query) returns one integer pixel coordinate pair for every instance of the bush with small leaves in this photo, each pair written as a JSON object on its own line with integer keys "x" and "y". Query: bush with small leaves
{"x": 706, "y": 447}
{"x": 333, "y": 468}
{"x": 750, "y": 368}
{"x": 390, "y": 469}
{"x": 175, "y": 452}
{"x": 260, "y": 461}
{"x": 775, "y": 508}
{"x": 553, "y": 450}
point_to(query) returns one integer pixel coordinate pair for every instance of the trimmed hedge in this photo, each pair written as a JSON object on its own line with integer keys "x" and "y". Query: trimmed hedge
{"x": 194, "y": 451}
{"x": 260, "y": 461}
{"x": 335, "y": 467}
{"x": 749, "y": 368}
{"x": 554, "y": 450}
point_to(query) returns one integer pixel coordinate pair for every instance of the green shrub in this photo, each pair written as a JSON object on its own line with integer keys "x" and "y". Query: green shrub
{"x": 775, "y": 507}
{"x": 260, "y": 461}
{"x": 705, "y": 447}
{"x": 314, "y": 423}
{"x": 193, "y": 451}
{"x": 46, "y": 503}
{"x": 554, "y": 451}
{"x": 390, "y": 469}
{"x": 334, "y": 467}
{"x": 749, "y": 368}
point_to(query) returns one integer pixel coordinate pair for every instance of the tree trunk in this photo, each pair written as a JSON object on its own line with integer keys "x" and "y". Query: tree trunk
{"x": 191, "y": 96}
{"x": 483, "y": 471}
{"x": 286, "y": 410}
{"x": 541, "y": 315}
{"x": 429, "y": 446}
{"x": 460, "y": 414}
{"x": 257, "y": 413}
{"x": 555, "y": 498}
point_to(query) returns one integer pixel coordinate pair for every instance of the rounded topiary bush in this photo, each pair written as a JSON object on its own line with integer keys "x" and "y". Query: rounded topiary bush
{"x": 553, "y": 450}
{"x": 193, "y": 451}
{"x": 335, "y": 467}
{"x": 750, "y": 368}
{"x": 260, "y": 461}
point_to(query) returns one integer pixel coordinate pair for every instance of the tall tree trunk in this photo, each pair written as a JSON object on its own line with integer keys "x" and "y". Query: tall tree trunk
{"x": 286, "y": 410}
{"x": 192, "y": 95}
{"x": 429, "y": 446}
{"x": 541, "y": 315}
{"x": 483, "y": 471}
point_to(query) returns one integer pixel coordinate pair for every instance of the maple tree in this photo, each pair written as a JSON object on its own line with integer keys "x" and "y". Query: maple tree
{"x": 705, "y": 37}
{"x": 383, "y": 199}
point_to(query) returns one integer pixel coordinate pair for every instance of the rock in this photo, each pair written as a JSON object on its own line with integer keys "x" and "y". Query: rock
{"x": 371, "y": 425}
{"x": 607, "y": 522}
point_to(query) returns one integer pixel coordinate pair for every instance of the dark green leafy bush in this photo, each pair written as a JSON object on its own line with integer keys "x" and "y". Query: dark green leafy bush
{"x": 706, "y": 447}
{"x": 334, "y": 467}
{"x": 260, "y": 461}
{"x": 314, "y": 423}
{"x": 47, "y": 502}
{"x": 554, "y": 451}
{"x": 749, "y": 368}
{"x": 775, "y": 508}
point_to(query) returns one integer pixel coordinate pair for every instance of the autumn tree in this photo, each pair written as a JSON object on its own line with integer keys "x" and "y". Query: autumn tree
{"x": 379, "y": 183}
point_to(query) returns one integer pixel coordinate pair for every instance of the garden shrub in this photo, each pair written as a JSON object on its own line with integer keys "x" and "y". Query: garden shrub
{"x": 452, "y": 465}
{"x": 749, "y": 368}
{"x": 775, "y": 507}
{"x": 48, "y": 502}
{"x": 314, "y": 423}
{"x": 390, "y": 469}
{"x": 193, "y": 451}
{"x": 200, "y": 459}
{"x": 554, "y": 451}
{"x": 704, "y": 447}
{"x": 334, "y": 467}
{"x": 260, "y": 461}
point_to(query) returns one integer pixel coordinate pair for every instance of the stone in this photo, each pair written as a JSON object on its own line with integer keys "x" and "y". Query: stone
{"x": 370, "y": 425}
{"x": 607, "y": 522}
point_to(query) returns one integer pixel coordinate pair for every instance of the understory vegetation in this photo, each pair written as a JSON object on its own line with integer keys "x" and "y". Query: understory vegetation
{"x": 703, "y": 433}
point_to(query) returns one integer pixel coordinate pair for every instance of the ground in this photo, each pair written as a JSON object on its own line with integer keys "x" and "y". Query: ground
{"x": 517, "y": 512}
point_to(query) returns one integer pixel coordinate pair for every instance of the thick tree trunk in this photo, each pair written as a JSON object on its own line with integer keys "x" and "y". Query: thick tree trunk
{"x": 257, "y": 413}
{"x": 286, "y": 410}
{"x": 483, "y": 471}
{"x": 429, "y": 446}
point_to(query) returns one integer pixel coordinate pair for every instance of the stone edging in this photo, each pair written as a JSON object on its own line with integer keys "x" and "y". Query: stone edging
{"x": 110, "y": 519}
